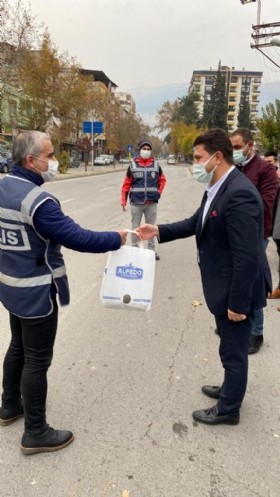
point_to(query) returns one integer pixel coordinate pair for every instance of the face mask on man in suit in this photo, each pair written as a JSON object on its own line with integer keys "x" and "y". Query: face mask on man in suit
{"x": 200, "y": 174}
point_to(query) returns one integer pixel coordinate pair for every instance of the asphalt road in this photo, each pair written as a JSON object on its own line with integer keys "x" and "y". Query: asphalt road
{"x": 126, "y": 383}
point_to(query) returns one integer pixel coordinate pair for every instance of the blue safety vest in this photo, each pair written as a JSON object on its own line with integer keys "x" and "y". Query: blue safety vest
{"x": 145, "y": 183}
{"x": 29, "y": 264}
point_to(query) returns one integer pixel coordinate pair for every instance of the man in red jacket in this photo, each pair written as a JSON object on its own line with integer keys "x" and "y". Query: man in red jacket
{"x": 264, "y": 177}
{"x": 144, "y": 183}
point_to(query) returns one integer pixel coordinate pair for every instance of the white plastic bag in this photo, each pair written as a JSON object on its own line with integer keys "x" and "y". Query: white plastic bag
{"x": 128, "y": 279}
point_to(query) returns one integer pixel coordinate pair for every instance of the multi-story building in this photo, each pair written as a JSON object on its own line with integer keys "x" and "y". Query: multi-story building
{"x": 126, "y": 101}
{"x": 237, "y": 81}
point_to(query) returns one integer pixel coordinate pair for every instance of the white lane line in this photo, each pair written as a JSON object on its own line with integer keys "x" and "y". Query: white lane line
{"x": 105, "y": 189}
{"x": 66, "y": 201}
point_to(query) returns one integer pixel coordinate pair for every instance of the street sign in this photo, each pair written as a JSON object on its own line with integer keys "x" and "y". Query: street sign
{"x": 93, "y": 127}
{"x": 87, "y": 127}
{"x": 129, "y": 148}
{"x": 97, "y": 127}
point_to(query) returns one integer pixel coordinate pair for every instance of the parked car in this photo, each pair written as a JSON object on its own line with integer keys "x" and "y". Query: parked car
{"x": 125, "y": 160}
{"x": 102, "y": 160}
{"x": 171, "y": 160}
{"x": 111, "y": 159}
{"x": 6, "y": 163}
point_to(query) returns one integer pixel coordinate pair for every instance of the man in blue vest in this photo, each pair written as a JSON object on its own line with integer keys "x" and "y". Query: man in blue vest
{"x": 32, "y": 276}
{"x": 144, "y": 183}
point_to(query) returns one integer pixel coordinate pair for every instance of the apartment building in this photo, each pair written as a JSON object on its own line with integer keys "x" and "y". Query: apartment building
{"x": 237, "y": 81}
{"x": 126, "y": 101}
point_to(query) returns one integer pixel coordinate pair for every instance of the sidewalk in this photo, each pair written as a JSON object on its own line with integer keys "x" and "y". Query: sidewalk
{"x": 78, "y": 172}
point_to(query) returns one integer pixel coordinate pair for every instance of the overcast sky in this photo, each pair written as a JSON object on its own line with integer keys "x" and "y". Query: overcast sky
{"x": 157, "y": 42}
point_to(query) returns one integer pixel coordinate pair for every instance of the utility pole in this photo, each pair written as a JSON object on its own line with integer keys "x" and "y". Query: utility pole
{"x": 263, "y": 34}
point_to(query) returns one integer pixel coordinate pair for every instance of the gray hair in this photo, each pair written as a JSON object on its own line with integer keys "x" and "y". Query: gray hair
{"x": 28, "y": 143}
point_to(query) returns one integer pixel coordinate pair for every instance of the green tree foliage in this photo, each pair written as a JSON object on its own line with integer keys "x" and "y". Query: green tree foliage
{"x": 187, "y": 111}
{"x": 182, "y": 137}
{"x": 244, "y": 114}
{"x": 216, "y": 107}
{"x": 269, "y": 126}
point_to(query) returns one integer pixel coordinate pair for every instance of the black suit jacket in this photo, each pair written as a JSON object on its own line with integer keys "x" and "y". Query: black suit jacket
{"x": 234, "y": 268}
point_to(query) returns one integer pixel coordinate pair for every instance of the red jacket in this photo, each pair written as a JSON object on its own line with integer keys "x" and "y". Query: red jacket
{"x": 129, "y": 179}
{"x": 264, "y": 177}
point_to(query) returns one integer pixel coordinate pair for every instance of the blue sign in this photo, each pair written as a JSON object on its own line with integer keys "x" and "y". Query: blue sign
{"x": 129, "y": 148}
{"x": 87, "y": 127}
{"x": 97, "y": 127}
{"x": 93, "y": 127}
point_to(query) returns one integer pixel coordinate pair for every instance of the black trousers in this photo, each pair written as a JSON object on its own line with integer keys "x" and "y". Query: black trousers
{"x": 234, "y": 345}
{"x": 25, "y": 366}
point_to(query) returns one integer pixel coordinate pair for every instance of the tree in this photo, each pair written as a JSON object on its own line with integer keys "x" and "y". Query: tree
{"x": 19, "y": 32}
{"x": 166, "y": 114}
{"x": 244, "y": 114}
{"x": 187, "y": 111}
{"x": 182, "y": 137}
{"x": 216, "y": 106}
{"x": 269, "y": 126}
{"x": 130, "y": 130}
{"x": 56, "y": 88}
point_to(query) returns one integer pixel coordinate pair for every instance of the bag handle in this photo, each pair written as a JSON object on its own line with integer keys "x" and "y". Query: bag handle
{"x": 135, "y": 233}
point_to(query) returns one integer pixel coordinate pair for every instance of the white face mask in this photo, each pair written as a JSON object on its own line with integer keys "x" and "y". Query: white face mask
{"x": 200, "y": 173}
{"x": 50, "y": 174}
{"x": 145, "y": 154}
{"x": 240, "y": 156}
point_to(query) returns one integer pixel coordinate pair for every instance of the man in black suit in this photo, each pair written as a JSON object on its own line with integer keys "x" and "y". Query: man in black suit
{"x": 235, "y": 273}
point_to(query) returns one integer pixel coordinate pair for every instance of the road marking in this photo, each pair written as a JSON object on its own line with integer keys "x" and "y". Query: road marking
{"x": 105, "y": 189}
{"x": 69, "y": 200}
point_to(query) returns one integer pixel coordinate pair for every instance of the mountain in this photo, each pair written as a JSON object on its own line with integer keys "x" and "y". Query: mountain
{"x": 150, "y": 99}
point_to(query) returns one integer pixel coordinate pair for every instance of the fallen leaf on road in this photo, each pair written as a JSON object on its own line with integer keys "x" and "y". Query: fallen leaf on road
{"x": 196, "y": 303}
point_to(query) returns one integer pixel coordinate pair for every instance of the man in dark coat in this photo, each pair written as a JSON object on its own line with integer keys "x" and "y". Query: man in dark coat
{"x": 263, "y": 175}
{"x": 235, "y": 274}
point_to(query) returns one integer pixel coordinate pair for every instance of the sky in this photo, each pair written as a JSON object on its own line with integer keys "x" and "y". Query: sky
{"x": 150, "y": 43}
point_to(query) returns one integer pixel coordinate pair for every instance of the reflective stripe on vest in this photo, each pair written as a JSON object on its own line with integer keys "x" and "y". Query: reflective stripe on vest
{"x": 30, "y": 265}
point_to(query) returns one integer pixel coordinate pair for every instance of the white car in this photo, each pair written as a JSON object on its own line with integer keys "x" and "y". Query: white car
{"x": 171, "y": 160}
{"x": 102, "y": 160}
{"x": 125, "y": 160}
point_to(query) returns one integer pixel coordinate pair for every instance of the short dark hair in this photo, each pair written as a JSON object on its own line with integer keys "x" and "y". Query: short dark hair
{"x": 216, "y": 140}
{"x": 271, "y": 153}
{"x": 245, "y": 133}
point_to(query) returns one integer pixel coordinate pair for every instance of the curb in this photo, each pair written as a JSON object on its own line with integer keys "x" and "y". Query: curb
{"x": 79, "y": 173}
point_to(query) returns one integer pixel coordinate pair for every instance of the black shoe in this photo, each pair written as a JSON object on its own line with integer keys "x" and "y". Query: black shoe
{"x": 157, "y": 257}
{"x": 212, "y": 417}
{"x": 211, "y": 391}
{"x": 255, "y": 343}
{"x": 48, "y": 441}
{"x": 9, "y": 414}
